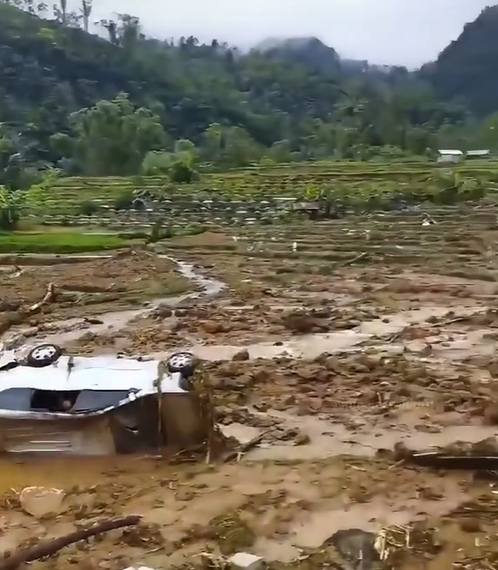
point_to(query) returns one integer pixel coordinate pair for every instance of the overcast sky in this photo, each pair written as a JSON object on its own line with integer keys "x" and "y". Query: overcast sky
{"x": 405, "y": 32}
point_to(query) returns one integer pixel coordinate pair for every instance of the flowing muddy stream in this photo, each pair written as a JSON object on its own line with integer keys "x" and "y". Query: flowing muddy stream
{"x": 306, "y": 346}
{"x": 116, "y": 320}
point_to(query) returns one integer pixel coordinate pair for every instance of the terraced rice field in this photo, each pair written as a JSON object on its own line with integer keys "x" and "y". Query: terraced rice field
{"x": 348, "y": 345}
{"x": 265, "y": 184}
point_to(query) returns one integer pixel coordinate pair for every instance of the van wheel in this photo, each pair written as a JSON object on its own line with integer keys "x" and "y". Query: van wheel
{"x": 43, "y": 355}
{"x": 182, "y": 362}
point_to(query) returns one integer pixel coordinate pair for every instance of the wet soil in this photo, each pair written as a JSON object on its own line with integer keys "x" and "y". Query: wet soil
{"x": 84, "y": 287}
{"x": 341, "y": 366}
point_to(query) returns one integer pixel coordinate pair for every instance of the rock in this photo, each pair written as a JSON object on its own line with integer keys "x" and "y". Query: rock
{"x": 241, "y": 355}
{"x": 214, "y": 327}
{"x": 93, "y": 321}
{"x": 302, "y": 439}
{"x": 8, "y": 305}
{"x": 184, "y": 495}
{"x": 162, "y": 312}
{"x": 355, "y": 546}
{"x": 332, "y": 364}
{"x": 41, "y": 502}
{"x": 491, "y": 415}
{"x": 425, "y": 428}
{"x": 299, "y": 322}
{"x": 246, "y": 561}
{"x": 261, "y": 376}
{"x": 401, "y": 451}
{"x": 306, "y": 373}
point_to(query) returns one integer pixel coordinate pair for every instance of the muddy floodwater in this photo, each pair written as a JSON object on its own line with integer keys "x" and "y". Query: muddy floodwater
{"x": 341, "y": 372}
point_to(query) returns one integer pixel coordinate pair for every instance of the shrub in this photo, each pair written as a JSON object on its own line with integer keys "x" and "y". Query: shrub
{"x": 156, "y": 163}
{"x": 159, "y": 232}
{"x": 138, "y": 180}
{"x": 11, "y": 205}
{"x": 89, "y": 208}
{"x": 182, "y": 173}
{"x": 9, "y": 218}
{"x": 124, "y": 201}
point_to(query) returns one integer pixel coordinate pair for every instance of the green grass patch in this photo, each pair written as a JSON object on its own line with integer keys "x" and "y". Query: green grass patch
{"x": 58, "y": 243}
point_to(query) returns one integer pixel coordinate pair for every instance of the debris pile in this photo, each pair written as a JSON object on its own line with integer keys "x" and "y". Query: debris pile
{"x": 397, "y": 545}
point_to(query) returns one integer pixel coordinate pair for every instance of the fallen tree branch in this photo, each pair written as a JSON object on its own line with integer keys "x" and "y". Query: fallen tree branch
{"x": 243, "y": 448}
{"x": 50, "y": 547}
{"x": 48, "y": 298}
{"x": 456, "y": 320}
{"x": 351, "y": 261}
{"x": 17, "y": 272}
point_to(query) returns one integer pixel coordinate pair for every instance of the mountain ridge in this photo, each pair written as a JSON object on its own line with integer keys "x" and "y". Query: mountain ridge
{"x": 295, "y": 96}
{"x": 466, "y": 68}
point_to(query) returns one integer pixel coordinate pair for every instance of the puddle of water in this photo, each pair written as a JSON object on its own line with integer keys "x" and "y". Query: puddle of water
{"x": 312, "y": 345}
{"x": 308, "y": 346}
{"x": 57, "y": 471}
{"x": 210, "y": 286}
{"x": 454, "y": 347}
{"x": 465, "y": 345}
{"x": 330, "y": 440}
{"x": 398, "y": 321}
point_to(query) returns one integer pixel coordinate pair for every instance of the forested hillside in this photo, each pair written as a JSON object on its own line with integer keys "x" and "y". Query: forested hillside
{"x": 467, "y": 68}
{"x": 309, "y": 51}
{"x": 124, "y": 104}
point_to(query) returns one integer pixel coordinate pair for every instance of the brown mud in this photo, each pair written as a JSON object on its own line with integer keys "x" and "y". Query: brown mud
{"x": 338, "y": 363}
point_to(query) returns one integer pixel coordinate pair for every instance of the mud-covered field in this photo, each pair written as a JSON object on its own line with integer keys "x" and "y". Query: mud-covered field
{"x": 348, "y": 344}
{"x": 39, "y": 290}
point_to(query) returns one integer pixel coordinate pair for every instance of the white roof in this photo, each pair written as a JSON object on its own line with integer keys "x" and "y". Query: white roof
{"x": 451, "y": 152}
{"x": 92, "y": 373}
{"x": 105, "y": 373}
{"x": 477, "y": 152}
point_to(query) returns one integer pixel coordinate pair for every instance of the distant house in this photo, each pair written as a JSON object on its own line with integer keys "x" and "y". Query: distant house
{"x": 473, "y": 154}
{"x": 449, "y": 156}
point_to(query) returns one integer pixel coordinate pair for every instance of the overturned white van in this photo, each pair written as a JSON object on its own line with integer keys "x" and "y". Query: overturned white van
{"x": 52, "y": 403}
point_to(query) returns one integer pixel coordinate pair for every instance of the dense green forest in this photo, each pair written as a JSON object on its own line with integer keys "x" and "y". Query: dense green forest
{"x": 125, "y": 104}
{"x": 467, "y": 67}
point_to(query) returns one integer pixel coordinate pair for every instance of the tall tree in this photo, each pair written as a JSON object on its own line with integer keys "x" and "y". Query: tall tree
{"x": 112, "y": 137}
{"x": 86, "y": 11}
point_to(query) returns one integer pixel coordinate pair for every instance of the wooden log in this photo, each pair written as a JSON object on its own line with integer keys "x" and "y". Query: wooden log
{"x": 50, "y": 547}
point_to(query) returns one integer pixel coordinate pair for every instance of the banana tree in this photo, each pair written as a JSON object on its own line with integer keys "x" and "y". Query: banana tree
{"x": 60, "y": 12}
{"x": 12, "y": 204}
